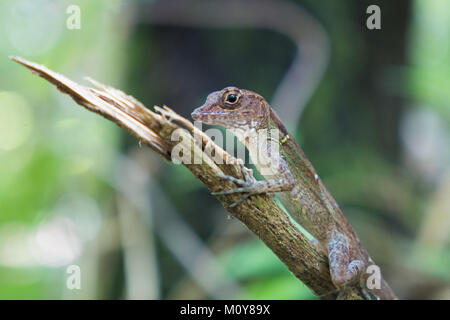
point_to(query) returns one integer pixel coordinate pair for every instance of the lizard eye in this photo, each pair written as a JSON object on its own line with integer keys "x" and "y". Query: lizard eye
{"x": 231, "y": 99}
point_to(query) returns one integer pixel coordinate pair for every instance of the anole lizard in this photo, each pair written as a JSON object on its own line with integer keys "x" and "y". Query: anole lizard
{"x": 291, "y": 175}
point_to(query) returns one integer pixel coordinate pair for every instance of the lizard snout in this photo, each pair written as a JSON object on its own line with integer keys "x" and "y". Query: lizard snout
{"x": 196, "y": 114}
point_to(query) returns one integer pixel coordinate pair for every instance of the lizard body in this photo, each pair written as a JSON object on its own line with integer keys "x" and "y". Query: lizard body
{"x": 289, "y": 173}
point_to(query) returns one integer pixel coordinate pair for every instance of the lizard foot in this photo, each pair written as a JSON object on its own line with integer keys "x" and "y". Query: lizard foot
{"x": 344, "y": 269}
{"x": 250, "y": 186}
{"x": 246, "y": 186}
{"x": 351, "y": 276}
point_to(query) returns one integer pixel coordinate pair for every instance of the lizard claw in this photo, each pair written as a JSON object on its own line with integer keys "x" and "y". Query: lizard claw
{"x": 232, "y": 179}
{"x": 245, "y": 186}
{"x": 250, "y": 186}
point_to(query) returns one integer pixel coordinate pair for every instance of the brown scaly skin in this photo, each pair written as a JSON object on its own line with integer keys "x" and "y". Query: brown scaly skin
{"x": 297, "y": 184}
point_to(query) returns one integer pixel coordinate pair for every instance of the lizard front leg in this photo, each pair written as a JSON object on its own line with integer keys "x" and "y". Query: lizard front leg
{"x": 250, "y": 186}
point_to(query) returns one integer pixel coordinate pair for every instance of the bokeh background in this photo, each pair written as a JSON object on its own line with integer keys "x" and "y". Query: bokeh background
{"x": 371, "y": 108}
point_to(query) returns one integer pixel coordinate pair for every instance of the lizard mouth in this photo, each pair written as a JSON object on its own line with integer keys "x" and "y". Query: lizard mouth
{"x": 207, "y": 118}
{"x": 197, "y": 115}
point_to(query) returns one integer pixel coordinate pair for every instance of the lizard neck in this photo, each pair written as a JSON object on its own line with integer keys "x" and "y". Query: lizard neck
{"x": 259, "y": 143}
{"x": 273, "y": 122}
{"x": 248, "y": 136}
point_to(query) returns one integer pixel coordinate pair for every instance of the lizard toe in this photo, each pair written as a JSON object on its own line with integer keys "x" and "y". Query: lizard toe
{"x": 230, "y": 178}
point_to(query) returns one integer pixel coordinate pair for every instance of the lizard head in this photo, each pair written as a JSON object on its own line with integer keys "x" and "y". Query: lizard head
{"x": 233, "y": 108}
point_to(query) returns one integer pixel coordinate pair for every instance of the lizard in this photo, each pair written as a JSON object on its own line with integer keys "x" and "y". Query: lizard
{"x": 292, "y": 178}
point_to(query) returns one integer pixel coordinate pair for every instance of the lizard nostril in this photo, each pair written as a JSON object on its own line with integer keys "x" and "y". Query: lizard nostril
{"x": 195, "y": 114}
